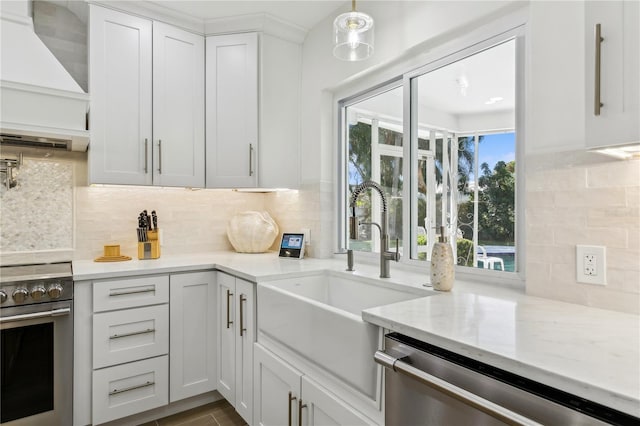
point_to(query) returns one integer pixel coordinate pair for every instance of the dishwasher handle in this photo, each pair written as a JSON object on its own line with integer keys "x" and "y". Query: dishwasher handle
{"x": 503, "y": 414}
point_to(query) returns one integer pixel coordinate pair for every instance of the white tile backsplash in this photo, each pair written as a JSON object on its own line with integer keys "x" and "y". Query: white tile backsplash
{"x": 190, "y": 221}
{"x": 586, "y": 200}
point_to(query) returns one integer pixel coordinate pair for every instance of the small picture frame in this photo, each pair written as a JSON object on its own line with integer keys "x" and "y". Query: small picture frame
{"x": 292, "y": 246}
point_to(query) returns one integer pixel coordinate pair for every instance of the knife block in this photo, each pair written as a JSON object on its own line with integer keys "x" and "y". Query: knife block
{"x": 151, "y": 248}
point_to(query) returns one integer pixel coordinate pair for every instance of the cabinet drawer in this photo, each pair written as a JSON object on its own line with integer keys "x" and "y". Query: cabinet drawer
{"x": 130, "y": 335}
{"x": 130, "y": 293}
{"x": 128, "y": 389}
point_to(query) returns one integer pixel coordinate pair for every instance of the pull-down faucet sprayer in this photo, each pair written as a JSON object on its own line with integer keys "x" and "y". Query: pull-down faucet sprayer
{"x": 385, "y": 254}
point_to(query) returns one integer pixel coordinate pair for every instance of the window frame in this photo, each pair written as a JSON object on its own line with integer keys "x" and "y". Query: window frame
{"x": 456, "y": 51}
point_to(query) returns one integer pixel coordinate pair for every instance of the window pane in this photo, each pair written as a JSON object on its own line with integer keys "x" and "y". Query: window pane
{"x": 375, "y": 153}
{"x": 465, "y": 178}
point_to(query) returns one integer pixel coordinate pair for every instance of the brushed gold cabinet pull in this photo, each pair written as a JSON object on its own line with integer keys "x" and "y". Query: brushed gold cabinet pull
{"x": 291, "y": 399}
{"x": 242, "y": 329}
{"x": 130, "y": 388}
{"x": 250, "y": 159}
{"x": 300, "y": 407}
{"x": 229, "y": 294}
{"x": 146, "y": 156}
{"x": 133, "y": 333}
{"x": 597, "y": 102}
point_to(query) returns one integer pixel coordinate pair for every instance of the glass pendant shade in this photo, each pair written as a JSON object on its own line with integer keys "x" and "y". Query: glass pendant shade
{"x": 353, "y": 36}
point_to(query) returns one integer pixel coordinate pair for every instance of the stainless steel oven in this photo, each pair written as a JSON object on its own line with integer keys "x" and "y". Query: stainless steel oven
{"x": 36, "y": 345}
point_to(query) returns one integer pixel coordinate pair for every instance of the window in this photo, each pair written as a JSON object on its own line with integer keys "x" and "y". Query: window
{"x": 448, "y": 162}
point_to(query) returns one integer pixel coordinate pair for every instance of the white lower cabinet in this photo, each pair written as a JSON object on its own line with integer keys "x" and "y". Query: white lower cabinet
{"x": 236, "y": 336}
{"x": 130, "y": 388}
{"x": 285, "y": 396}
{"x": 145, "y": 342}
{"x": 193, "y": 334}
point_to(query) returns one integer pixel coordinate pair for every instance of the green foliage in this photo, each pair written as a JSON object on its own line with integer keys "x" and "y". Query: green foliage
{"x": 497, "y": 202}
{"x": 422, "y": 240}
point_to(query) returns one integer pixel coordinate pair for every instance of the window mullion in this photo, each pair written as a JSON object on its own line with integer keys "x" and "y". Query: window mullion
{"x": 375, "y": 176}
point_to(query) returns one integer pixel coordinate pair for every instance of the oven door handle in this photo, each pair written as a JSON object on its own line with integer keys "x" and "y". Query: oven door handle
{"x": 36, "y": 315}
{"x": 468, "y": 398}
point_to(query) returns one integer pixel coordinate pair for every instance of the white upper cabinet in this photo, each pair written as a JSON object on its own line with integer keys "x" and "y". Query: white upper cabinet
{"x": 250, "y": 77}
{"x": 178, "y": 107}
{"x": 232, "y": 110}
{"x": 120, "y": 88}
{"x": 618, "y": 120}
{"x": 280, "y": 77}
{"x": 561, "y": 79}
{"x": 125, "y": 148}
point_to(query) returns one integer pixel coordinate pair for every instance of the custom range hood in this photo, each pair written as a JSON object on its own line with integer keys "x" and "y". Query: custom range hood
{"x": 41, "y": 104}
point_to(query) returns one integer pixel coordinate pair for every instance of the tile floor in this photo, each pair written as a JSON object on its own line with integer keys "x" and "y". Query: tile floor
{"x": 219, "y": 413}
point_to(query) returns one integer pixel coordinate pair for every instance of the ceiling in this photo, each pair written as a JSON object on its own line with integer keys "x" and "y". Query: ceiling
{"x": 303, "y": 13}
{"x": 465, "y": 87}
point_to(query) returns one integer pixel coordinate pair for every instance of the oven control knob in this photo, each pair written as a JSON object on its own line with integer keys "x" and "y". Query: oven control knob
{"x": 20, "y": 295}
{"x": 37, "y": 292}
{"x": 3, "y": 296}
{"x": 55, "y": 291}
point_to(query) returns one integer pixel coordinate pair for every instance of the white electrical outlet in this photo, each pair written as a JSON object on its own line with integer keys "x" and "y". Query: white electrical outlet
{"x": 591, "y": 265}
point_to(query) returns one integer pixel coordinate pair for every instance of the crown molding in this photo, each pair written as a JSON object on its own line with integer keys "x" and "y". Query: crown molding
{"x": 260, "y": 22}
{"x": 156, "y": 12}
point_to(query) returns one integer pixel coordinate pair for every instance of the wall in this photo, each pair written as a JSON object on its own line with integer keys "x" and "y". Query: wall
{"x": 51, "y": 203}
{"x": 558, "y": 213}
{"x": 583, "y": 198}
{"x": 404, "y": 31}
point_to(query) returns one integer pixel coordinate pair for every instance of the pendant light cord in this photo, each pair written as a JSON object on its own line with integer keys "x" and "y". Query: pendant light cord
{"x": 353, "y": 5}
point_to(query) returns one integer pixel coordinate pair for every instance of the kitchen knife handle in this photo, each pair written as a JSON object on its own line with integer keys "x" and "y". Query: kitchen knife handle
{"x": 242, "y": 329}
{"x": 250, "y": 159}
{"x": 159, "y": 156}
{"x": 229, "y": 294}
{"x": 146, "y": 156}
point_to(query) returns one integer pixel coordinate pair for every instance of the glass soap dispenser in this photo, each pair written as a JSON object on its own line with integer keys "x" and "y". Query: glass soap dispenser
{"x": 442, "y": 272}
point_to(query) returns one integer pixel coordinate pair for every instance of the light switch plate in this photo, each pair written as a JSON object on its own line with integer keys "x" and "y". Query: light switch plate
{"x": 591, "y": 264}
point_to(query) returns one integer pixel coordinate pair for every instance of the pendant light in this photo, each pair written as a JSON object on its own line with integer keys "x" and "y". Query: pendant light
{"x": 353, "y": 35}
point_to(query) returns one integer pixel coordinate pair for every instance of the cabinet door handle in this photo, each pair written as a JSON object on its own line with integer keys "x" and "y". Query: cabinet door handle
{"x": 133, "y": 333}
{"x": 159, "y": 156}
{"x": 291, "y": 399}
{"x": 229, "y": 294}
{"x": 130, "y": 388}
{"x": 242, "y": 329}
{"x": 250, "y": 159}
{"x": 300, "y": 407}
{"x": 146, "y": 156}
{"x": 597, "y": 103}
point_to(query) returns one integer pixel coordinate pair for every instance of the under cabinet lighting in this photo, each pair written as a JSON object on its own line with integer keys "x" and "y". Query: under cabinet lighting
{"x": 623, "y": 152}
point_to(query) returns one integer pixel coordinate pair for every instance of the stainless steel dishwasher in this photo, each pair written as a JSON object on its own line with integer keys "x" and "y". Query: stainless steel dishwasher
{"x": 427, "y": 385}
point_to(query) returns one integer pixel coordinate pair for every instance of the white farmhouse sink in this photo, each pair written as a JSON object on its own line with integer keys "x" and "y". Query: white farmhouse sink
{"x": 319, "y": 317}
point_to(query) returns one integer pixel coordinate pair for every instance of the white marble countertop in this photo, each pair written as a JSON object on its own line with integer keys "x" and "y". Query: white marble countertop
{"x": 589, "y": 352}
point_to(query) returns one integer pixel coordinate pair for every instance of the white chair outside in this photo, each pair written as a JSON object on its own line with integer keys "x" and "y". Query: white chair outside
{"x": 488, "y": 262}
